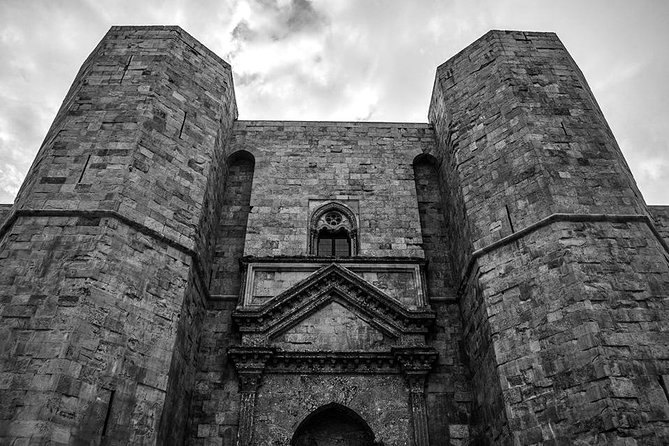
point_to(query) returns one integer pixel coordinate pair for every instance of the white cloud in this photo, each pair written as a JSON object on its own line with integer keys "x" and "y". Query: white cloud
{"x": 344, "y": 59}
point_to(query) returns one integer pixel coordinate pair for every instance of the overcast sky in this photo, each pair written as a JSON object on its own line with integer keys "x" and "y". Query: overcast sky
{"x": 343, "y": 60}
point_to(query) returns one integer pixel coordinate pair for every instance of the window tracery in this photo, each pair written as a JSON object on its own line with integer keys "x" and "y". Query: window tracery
{"x": 333, "y": 231}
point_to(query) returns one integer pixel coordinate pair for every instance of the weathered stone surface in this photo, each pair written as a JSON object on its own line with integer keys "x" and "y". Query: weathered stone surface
{"x": 661, "y": 218}
{"x": 333, "y": 327}
{"x": 5, "y": 211}
{"x": 160, "y": 277}
{"x": 380, "y": 401}
{"x": 299, "y": 162}
{"x": 564, "y": 282}
{"x": 104, "y": 263}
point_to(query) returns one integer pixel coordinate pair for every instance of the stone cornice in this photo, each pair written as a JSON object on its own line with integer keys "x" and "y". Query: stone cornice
{"x": 406, "y": 360}
{"x": 341, "y": 260}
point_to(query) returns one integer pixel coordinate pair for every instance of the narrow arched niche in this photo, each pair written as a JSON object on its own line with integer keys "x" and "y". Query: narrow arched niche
{"x": 432, "y": 223}
{"x": 333, "y": 425}
{"x": 231, "y": 233}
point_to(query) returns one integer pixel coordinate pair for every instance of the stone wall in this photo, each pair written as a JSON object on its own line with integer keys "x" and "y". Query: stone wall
{"x": 5, "y": 211}
{"x": 449, "y": 393}
{"x": 299, "y": 166}
{"x": 433, "y": 227}
{"x": 214, "y": 413}
{"x": 562, "y": 275}
{"x": 369, "y": 164}
{"x": 103, "y": 267}
{"x": 661, "y": 219}
{"x": 231, "y": 231}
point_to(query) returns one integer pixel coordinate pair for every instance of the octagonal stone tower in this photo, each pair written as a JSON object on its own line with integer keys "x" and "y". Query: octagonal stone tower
{"x": 105, "y": 257}
{"x": 563, "y": 275}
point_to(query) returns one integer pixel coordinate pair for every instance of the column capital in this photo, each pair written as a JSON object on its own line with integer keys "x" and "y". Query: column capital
{"x": 250, "y": 363}
{"x": 415, "y": 361}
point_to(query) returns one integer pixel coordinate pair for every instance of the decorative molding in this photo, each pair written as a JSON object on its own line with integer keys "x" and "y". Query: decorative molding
{"x": 246, "y": 260}
{"x": 333, "y": 283}
{"x": 364, "y": 363}
{"x": 306, "y": 267}
{"x": 414, "y": 362}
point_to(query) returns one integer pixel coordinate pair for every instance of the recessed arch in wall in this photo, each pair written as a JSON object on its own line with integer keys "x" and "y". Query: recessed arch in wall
{"x": 231, "y": 231}
{"x": 432, "y": 223}
{"x": 240, "y": 156}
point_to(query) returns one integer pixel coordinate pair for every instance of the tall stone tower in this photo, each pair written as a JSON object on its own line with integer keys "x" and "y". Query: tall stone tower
{"x": 172, "y": 275}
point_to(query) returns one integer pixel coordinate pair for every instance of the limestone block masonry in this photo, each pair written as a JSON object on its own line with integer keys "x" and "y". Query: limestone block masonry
{"x": 172, "y": 275}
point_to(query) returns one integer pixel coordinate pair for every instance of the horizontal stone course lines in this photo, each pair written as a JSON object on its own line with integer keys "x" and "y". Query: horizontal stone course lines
{"x": 506, "y": 283}
{"x": 367, "y": 162}
{"x": 562, "y": 269}
{"x": 557, "y": 218}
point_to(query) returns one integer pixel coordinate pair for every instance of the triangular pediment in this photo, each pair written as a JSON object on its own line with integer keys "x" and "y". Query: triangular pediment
{"x": 333, "y": 284}
{"x": 334, "y": 327}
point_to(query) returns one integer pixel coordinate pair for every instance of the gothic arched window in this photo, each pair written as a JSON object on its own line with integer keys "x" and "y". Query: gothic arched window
{"x": 333, "y": 231}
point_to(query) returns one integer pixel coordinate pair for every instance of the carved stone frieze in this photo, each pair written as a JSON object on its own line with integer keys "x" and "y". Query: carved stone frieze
{"x": 414, "y": 362}
{"x": 250, "y": 364}
{"x": 308, "y": 329}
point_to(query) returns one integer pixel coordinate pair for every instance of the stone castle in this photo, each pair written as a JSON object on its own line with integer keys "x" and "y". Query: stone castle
{"x": 172, "y": 275}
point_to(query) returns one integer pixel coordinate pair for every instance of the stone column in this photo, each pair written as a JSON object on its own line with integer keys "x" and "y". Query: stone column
{"x": 250, "y": 364}
{"x": 416, "y": 364}
{"x": 249, "y": 383}
{"x": 418, "y": 412}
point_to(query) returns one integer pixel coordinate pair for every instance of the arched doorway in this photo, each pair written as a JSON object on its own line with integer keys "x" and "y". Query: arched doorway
{"x": 333, "y": 425}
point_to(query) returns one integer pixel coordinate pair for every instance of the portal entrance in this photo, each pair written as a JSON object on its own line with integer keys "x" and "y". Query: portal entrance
{"x": 333, "y": 425}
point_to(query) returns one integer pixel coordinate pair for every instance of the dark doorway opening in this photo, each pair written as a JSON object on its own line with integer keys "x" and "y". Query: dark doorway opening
{"x": 333, "y": 425}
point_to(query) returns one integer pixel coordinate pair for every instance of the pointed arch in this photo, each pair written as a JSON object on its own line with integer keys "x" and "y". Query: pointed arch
{"x": 333, "y": 231}
{"x": 333, "y": 424}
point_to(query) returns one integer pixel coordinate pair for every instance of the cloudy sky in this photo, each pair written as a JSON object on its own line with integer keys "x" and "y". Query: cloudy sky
{"x": 343, "y": 60}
